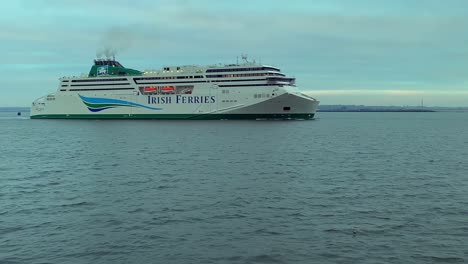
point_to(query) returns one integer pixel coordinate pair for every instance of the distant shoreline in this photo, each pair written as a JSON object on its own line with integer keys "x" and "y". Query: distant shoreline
{"x": 380, "y": 110}
{"x": 15, "y": 109}
{"x": 393, "y": 109}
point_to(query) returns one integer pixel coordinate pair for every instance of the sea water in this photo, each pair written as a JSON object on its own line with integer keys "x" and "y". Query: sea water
{"x": 344, "y": 188}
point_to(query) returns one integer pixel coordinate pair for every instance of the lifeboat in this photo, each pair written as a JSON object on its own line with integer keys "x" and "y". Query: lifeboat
{"x": 150, "y": 89}
{"x": 167, "y": 89}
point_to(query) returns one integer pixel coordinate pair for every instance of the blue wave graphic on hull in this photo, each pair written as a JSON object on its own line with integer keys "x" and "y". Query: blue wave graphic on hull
{"x": 97, "y": 104}
{"x": 99, "y": 109}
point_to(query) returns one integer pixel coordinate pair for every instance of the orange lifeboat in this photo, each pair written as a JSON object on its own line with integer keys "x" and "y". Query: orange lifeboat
{"x": 150, "y": 89}
{"x": 167, "y": 89}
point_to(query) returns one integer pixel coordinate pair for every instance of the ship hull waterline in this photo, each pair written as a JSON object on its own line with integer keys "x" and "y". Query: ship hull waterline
{"x": 82, "y": 107}
{"x": 304, "y": 116}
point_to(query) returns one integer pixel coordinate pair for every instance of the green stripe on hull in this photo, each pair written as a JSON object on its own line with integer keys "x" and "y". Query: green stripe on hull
{"x": 179, "y": 116}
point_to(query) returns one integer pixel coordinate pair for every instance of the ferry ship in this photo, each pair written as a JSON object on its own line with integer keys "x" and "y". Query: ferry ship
{"x": 245, "y": 90}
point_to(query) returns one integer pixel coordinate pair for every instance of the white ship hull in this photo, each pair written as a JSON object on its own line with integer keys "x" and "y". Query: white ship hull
{"x": 111, "y": 91}
{"x": 280, "y": 104}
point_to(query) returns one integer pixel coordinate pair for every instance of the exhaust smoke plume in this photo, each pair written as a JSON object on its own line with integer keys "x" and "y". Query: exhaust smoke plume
{"x": 114, "y": 41}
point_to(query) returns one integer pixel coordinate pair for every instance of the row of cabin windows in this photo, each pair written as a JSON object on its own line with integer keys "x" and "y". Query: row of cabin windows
{"x": 235, "y": 75}
{"x": 170, "y": 77}
{"x": 99, "y": 89}
{"x": 247, "y": 85}
{"x": 101, "y": 80}
{"x": 100, "y": 84}
{"x": 274, "y": 74}
{"x": 243, "y": 75}
{"x": 244, "y": 69}
{"x": 238, "y": 80}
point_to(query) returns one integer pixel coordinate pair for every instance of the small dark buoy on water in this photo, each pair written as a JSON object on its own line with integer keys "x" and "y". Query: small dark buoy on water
{"x": 19, "y": 113}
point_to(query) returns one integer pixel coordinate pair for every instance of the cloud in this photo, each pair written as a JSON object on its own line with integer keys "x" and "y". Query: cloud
{"x": 331, "y": 44}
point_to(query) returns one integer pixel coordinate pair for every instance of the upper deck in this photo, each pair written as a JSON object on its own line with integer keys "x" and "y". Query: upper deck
{"x": 105, "y": 69}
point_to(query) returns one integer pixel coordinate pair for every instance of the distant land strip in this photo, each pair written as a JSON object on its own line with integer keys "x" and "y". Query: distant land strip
{"x": 15, "y": 109}
{"x": 363, "y": 108}
{"x": 377, "y": 110}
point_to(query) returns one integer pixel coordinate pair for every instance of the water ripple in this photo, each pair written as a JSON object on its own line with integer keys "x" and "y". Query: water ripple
{"x": 350, "y": 188}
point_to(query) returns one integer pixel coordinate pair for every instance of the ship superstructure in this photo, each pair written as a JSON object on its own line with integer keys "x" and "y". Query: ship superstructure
{"x": 235, "y": 91}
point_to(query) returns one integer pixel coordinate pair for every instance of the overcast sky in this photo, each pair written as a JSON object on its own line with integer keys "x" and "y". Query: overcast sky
{"x": 372, "y": 52}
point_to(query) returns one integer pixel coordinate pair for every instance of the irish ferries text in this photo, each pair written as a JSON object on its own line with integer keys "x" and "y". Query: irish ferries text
{"x": 181, "y": 99}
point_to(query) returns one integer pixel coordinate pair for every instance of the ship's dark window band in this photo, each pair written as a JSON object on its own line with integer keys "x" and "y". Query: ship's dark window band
{"x": 279, "y": 79}
{"x": 189, "y": 77}
{"x": 63, "y": 90}
{"x": 100, "y": 84}
{"x": 244, "y": 69}
{"x": 168, "y": 77}
{"x": 64, "y": 85}
{"x": 241, "y": 85}
{"x": 213, "y": 81}
{"x": 103, "y": 89}
{"x": 244, "y": 80}
{"x": 101, "y": 80}
{"x": 274, "y": 74}
{"x": 244, "y": 75}
{"x": 235, "y": 75}
{"x": 65, "y": 81}
{"x": 171, "y": 82}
